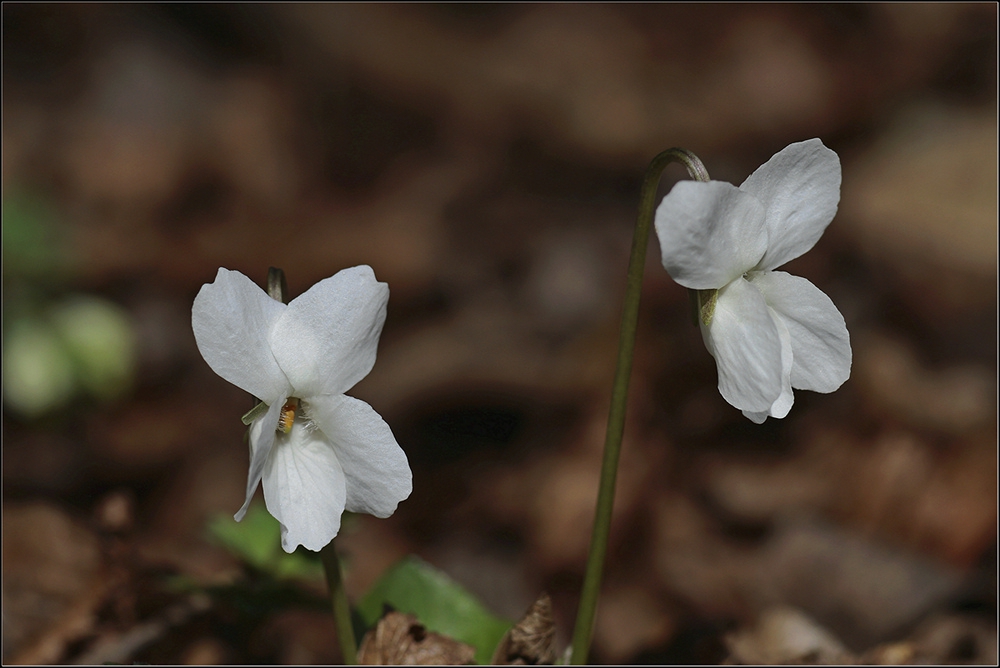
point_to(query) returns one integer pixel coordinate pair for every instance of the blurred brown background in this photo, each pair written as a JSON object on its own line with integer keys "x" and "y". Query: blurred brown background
{"x": 485, "y": 160}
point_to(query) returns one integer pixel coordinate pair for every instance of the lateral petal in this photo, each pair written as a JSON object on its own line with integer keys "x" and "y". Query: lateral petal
{"x": 746, "y": 344}
{"x": 710, "y": 233}
{"x": 375, "y": 467}
{"x": 799, "y": 188}
{"x": 327, "y": 338}
{"x": 262, "y": 435}
{"x": 231, "y": 318}
{"x": 304, "y": 488}
{"x": 821, "y": 345}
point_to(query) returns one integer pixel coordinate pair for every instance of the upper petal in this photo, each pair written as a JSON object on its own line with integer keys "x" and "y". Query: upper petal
{"x": 746, "y": 344}
{"x": 377, "y": 472}
{"x": 710, "y": 233}
{"x": 821, "y": 345}
{"x": 231, "y": 318}
{"x": 799, "y": 188}
{"x": 304, "y": 488}
{"x": 326, "y": 339}
{"x": 262, "y": 436}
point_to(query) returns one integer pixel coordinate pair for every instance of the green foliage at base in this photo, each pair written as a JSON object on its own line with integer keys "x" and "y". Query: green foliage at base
{"x": 442, "y": 605}
{"x": 257, "y": 541}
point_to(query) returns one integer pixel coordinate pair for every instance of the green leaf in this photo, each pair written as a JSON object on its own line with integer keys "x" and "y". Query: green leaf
{"x": 100, "y": 337}
{"x": 257, "y": 541}
{"x": 415, "y": 587}
{"x": 37, "y": 370}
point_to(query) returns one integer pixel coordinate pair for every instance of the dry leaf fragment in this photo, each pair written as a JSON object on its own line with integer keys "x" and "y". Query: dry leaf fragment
{"x": 786, "y": 635}
{"x": 399, "y": 639}
{"x": 532, "y": 640}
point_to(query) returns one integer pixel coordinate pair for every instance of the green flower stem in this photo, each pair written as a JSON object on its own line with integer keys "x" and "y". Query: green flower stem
{"x": 341, "y": 607}
{"x": 619, "y": 396}
{"x": 277, "y": 288}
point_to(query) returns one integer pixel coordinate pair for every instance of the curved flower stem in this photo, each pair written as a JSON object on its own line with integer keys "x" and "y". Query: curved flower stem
{"x": 619, "y": 396}
{"x": 341, "y": 607}
{"x": 277, "y": 288}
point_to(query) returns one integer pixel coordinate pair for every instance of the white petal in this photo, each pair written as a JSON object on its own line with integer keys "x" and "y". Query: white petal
{"x": 783, "y": 403}
{"x": 262, "y": 437}
{"x": 231, "y": 319}
{"x": 304, "y": 488}
{"x": 378, "y": 474}
{"x": 746, "y": 344}
{"x": 821, "y": 345}
{"x": 799, "y": 188}
{"x": 710, "y": 233}
{"x": 327, "y": 338}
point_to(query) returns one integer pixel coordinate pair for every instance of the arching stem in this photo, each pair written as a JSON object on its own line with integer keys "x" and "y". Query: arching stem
{"x": 587, "y": 611}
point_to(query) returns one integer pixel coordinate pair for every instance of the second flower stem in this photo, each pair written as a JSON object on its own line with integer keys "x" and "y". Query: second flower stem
{"x": 587, "y": 611}
{"x": 341, "y": 607}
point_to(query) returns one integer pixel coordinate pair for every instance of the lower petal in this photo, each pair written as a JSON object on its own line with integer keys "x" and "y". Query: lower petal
{"x": 304, "y": 488}
{"x": 376, "y": 469}
{"x": 783, "y": 403}
{"x": 746, "y": 344}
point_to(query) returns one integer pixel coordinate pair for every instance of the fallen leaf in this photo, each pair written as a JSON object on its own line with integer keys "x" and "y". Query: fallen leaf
{"x": 531, "y": 641}
{"x": 400, "y": 639}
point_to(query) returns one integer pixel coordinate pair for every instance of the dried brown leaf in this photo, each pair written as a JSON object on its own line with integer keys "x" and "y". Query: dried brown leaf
{"x": 399, "y": 639}
{"x": 532, "y": 640}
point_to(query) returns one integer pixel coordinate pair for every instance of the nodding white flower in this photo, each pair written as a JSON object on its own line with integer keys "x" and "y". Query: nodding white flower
{"x": 769, "y": 331}
{"x": 317, "y": 450}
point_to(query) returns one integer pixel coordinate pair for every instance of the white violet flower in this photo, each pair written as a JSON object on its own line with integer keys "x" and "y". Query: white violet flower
{"x": 768, "y": 331}
{"x": 317, "y": 450}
